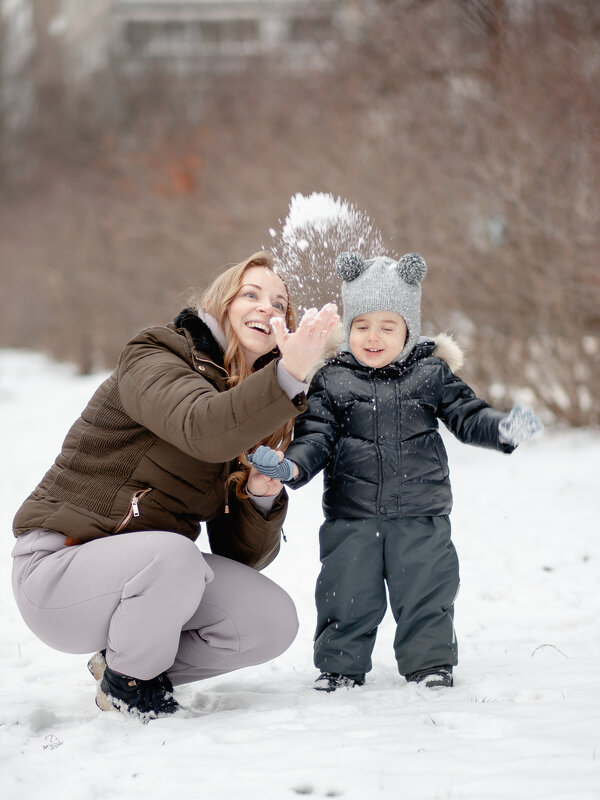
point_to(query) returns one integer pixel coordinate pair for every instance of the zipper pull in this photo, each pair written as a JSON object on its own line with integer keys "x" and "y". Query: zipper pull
{"x": 135, "y": 507}
{"x": 227, "y": 508}
{"x": 283, "y": 536}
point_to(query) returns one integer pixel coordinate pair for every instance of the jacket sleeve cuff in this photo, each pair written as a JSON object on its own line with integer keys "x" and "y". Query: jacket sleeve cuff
{"x": 290, "y": 385}
{"x": 264, "y": 504}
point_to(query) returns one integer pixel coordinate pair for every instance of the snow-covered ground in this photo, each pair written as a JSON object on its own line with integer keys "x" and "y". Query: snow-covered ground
{"x": 523, "y": 720}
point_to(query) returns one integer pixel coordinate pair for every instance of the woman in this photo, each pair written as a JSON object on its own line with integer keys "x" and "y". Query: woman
{"x": 161, "y": 447}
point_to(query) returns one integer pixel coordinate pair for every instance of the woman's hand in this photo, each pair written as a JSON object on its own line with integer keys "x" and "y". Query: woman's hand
{"x": 272, "y": 463}
{"x": 261, "y": 485}
{"x": 304, "y": 348}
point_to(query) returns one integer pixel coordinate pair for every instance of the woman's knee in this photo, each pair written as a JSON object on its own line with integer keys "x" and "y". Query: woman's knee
{"x": 277, "y": 625}
{"x": 178, "y": 556}
{"x": 264, "y": 615}
{"x": 175, "y": 574}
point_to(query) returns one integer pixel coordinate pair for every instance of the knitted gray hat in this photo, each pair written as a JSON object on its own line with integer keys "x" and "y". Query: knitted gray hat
{"x": 382, "y": 284}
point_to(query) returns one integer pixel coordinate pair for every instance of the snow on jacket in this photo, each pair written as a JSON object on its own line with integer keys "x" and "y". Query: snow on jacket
{"x": 375, "y": 432}
{"x": 154, "y": 446}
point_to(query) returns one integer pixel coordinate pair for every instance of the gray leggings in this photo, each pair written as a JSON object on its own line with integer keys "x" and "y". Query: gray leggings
{"x": 153, "y": 600}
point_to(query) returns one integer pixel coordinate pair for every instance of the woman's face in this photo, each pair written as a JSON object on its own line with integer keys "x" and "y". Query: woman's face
{"x": 261, "y": 296}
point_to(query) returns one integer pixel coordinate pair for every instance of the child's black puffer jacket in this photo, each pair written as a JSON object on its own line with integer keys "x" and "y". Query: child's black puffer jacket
{"x": 375, "y": 431}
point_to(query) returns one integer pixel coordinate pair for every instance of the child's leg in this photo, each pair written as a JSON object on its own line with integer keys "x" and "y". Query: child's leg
{"x": 350, "y": 595}
{"x": 423, "y": 578}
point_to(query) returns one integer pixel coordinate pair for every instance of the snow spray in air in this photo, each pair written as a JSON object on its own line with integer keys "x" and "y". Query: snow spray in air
{"x": 316, "y": 230}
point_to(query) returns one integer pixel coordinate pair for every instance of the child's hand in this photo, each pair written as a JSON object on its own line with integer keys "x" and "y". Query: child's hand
{"x": 271, "y": 463}
{"x": 519, "y": 425}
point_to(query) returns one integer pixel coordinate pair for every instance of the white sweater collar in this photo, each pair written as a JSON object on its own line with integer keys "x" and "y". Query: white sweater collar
{"x": 214, "y": 327}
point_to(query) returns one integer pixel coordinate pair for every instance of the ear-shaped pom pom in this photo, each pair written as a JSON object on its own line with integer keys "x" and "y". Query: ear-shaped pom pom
{"x": 412, "y": 268}
{"x": 350, "y": 266}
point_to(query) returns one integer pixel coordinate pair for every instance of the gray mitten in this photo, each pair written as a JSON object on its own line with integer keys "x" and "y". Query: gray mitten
{"x": 266, "y": 461}
{"x": 519, "y": 425}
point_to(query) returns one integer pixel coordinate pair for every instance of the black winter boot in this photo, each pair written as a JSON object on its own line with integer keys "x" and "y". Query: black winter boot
{"x": 432, "y": 677}
{"x": 330, "y": 681}
{"x": 146, "y": 699}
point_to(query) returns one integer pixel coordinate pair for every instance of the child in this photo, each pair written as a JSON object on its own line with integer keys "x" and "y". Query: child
{"x": 371, "y": 422}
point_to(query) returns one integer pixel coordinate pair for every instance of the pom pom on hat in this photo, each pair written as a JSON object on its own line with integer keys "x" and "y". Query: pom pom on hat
{"x": 412, "y": 268}
{"x": 350, "y": 266}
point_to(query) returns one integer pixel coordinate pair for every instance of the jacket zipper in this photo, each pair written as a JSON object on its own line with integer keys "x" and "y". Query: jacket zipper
{"x": 134, "y": 508}
{"x": 201, "y": 368}
{"x": 377, "y": 448}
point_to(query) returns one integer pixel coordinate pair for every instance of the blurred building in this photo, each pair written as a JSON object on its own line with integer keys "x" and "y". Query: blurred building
{"x": 215, "y": 35}
{"x": 87, "y": 57}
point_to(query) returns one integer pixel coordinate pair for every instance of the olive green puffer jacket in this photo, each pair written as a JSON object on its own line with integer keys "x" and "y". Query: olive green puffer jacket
{"x": 154, "y": 446}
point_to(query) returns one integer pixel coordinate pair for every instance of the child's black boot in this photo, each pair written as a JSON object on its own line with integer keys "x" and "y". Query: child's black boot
{"x": 432, "y": 677}
{"x": 330, "y": 681}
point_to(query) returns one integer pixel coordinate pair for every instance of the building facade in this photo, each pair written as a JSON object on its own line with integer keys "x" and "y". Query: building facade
{"x": 87, "y": 57}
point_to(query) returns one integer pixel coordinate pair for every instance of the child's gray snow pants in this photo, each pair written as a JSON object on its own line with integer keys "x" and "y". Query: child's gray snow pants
{"x": 416, "y": 558}
{"x": 154, "y": 601}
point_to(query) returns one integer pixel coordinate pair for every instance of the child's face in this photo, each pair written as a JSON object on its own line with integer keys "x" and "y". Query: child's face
{"x": 377, "y": 338}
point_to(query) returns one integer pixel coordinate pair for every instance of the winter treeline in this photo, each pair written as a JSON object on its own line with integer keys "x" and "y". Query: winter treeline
{"x": 466, "y": 130}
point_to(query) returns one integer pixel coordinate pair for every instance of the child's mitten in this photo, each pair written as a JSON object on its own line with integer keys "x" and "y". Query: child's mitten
{"x": 519, "y": 425}
{"x": 266, "y": 460}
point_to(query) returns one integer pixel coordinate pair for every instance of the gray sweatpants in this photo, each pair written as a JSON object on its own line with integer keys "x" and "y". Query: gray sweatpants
{"x": 154, "y": 601}
{"x": 415, "y": 557}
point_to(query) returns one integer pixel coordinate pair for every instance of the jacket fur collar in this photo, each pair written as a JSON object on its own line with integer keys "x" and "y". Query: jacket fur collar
{"x": 205, "y": 342}
{"x": 202, "y": 338}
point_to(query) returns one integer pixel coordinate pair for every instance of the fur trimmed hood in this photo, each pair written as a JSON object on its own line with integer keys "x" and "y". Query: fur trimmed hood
{"x": 448, "y": 350}
{"x": 442, "y": 346}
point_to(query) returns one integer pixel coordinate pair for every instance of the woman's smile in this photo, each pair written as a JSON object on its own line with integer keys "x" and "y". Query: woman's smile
{"x": 261, "y": 327}
{"x": 261, "y": 296}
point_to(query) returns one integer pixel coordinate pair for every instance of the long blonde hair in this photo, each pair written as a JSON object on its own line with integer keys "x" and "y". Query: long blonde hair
{"x": 216, "y": 300}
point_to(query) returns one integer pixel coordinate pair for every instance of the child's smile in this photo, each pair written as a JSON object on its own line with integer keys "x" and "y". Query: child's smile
{"x": 377, "y": 338}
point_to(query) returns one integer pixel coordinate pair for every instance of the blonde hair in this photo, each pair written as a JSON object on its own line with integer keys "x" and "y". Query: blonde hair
{"x": 216, "y": 300}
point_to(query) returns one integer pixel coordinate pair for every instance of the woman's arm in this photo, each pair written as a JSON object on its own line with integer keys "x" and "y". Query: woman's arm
{"x": 162, "y": 392}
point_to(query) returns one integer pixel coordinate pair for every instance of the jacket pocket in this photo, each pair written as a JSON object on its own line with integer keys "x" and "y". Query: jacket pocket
{"x": 441, "y": 454}
{"x": 134, "y": 508}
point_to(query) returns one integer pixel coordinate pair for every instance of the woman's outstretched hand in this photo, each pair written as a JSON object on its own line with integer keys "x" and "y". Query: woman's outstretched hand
{"x": 304, "y": 348}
